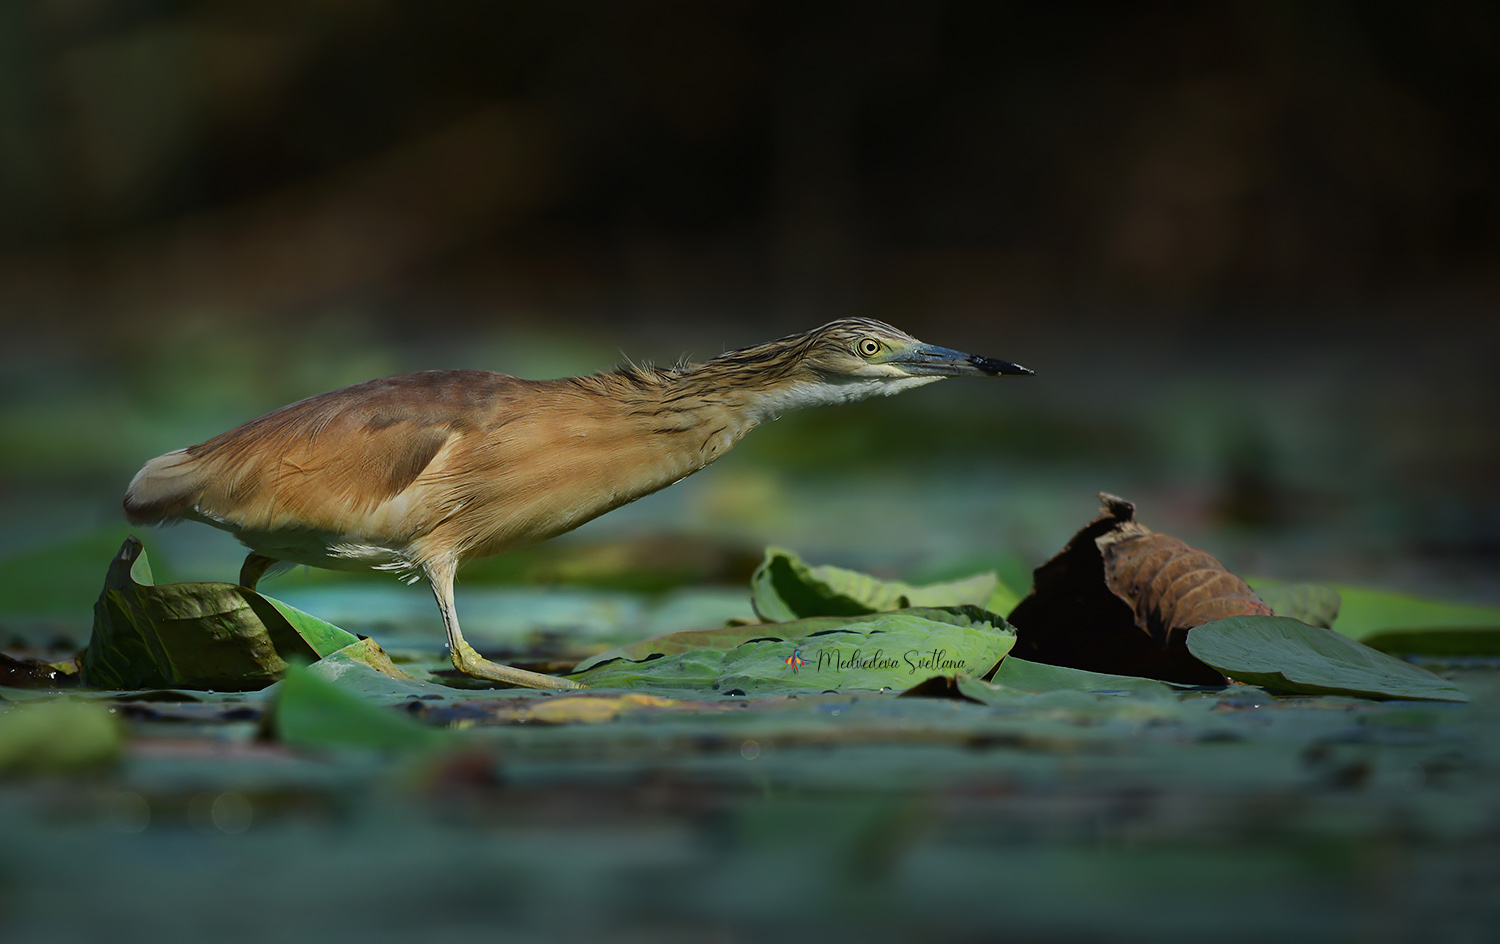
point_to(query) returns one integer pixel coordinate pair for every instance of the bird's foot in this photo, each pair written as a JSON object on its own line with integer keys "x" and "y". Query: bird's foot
{"x": 474, "y": 665}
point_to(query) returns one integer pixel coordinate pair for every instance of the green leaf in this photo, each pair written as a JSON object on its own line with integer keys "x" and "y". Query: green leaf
{"x": 861, "y": 653}
{"x": 1391, "y": 622}
{"x": 216, "y": 636}
{"x": 785, "y": 588}
{"x": 365, "y": 669}
{"x": 312, "y": 711}
{"x": 1285, "y": 655}
{"x": 58, "y": 735}
{"x": 1017, "y": 673}
{"x": 1003, "y": 599}
{"x": 1312, "y": 603}
{"x": 1152, "y": 701}
{"x": 1395, "y": 622}
{"x": 723, "y": 638}
{"x": 324, "y": 637}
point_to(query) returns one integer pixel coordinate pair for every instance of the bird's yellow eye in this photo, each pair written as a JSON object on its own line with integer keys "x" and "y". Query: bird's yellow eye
{"x": 868, "y": 347}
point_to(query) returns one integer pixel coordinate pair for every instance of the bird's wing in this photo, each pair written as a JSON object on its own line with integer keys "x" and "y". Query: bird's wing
{"x": 338, "y": 462}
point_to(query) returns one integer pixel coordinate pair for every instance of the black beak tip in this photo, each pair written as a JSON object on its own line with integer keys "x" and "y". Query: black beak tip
{"x": 999, "y": 368}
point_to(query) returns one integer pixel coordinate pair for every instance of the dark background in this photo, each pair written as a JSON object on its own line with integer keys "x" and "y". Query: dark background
{"x": 1250, "y": 248}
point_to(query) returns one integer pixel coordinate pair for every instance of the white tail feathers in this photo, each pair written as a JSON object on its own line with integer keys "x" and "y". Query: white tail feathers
{"x": 164, "y": 489}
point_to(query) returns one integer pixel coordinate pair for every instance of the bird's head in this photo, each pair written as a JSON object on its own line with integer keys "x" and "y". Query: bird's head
{"x": 865, "y": 349}
{"x": 844, "y": 360}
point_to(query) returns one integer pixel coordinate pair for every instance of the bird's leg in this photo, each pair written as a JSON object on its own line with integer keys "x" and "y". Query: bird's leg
{"x": 465, "y": 659}
{"x": 254, "y": 568}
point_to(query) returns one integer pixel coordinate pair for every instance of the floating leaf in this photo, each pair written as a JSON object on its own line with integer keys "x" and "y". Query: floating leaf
{"x": 590, "y": 708}
{"x": 1142, "y": 700}
{"x": 1120, "y": 599}
{"x": 364, "y": 669}
{"x": 1312, "y": 603}
{"x": 217, "y": 636}
{"x": 1395, "y": 622}
{"x": 1286, "y": 655}
{"x": 312, "y": 711}
{"x": 1390, "y": 622}
{"x": 785, "y": 588}
{"x": 950, "y": 687}
{"x": 56, "y": 735}
{"x": 365, "y": 652}
{"x": 871, "y": 652}
{"x": 1003, "y": 599}
{"x": 728, "y": 637}
{"x": 1017, "y": 673}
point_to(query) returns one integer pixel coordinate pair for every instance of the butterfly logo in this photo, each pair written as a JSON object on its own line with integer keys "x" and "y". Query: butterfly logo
{"x": 795, "y": 660}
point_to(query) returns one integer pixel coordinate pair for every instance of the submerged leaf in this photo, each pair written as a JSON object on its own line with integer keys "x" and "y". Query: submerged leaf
{"x": 786, "y": 588}
{"x": 870, "y": 652}
{"x": 1285, "y": 655}
{"x": 217, "y": 636}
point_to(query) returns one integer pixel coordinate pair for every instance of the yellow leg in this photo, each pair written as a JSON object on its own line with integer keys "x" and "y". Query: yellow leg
{"x": 465, "y": 659}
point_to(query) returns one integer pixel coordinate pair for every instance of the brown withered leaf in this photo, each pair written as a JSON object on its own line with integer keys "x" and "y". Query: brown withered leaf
{"x": 1121, "y": 598}
{"x": 35, "y": 673}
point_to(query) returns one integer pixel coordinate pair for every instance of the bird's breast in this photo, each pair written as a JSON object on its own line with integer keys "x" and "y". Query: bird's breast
{"x": 553, "y": 470}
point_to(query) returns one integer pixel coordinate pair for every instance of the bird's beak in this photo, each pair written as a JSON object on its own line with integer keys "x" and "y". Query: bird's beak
{"x": 929, "y": 360}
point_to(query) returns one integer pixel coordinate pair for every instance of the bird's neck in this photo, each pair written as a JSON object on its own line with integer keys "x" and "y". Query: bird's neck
{"x": 617, "y": 436}
{"x": 722, "y": 392}
{"x": 755, "y": 398}
{"x": 771, "y": 402}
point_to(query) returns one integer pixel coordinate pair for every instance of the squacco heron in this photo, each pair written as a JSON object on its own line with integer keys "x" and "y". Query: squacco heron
{"x": 418, "y": 473}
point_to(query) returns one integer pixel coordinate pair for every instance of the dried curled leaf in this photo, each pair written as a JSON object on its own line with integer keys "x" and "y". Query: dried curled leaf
{"x": 1170, "y": 586}
{"x": 1120, "y": 598}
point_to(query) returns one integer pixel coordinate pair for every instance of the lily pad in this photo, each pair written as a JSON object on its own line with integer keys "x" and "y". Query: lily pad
{"x": 1396, "y": 622}
{"x": 58, "y": 736}
{"x": 862, "y": 653}
{"x": 216, "y": 636}
{"x": 1312, "y": 603}
{"x": 1391, "y": 622}
{"x": 366, "y": 670}
{"x": 313, "y": 711}
{"x": 1285, "y": 655}
{"x": 728, "y": 637}
{"x": 1018, "y": 673}
{"x": 784, "y": 588}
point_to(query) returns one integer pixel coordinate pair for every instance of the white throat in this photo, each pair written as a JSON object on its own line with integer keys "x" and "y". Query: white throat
{"x": 768, "y": 406}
